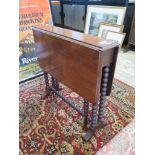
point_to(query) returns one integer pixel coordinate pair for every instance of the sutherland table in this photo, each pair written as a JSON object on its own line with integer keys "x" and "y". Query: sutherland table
{"x": 84, "y": 63}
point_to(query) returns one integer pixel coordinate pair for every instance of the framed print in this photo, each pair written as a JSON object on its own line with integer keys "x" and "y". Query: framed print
{"x": 117, "y": 36}
{"x": 98, "y": 14}
{"x": 105, "y": 27}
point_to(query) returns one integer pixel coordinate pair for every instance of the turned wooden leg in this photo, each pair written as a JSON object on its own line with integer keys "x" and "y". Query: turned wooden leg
{"x": 55, "y": 84}
{"x": 93, "y": 125}
{"x": 101, "y": 109}
{"x": 104, "y": 83}
{"x": 94, "y": 117}
{"x": 47, "y": 87}
{"x": 86, "y": 110}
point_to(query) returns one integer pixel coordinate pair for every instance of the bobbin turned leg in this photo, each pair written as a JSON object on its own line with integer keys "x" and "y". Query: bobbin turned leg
{"x": 93, "y": 125}
{"x": 101, "y": 109}
{"x": 86, "y": 110}
{"x": 104, "y": 84}
{"x": 47, "y": 88}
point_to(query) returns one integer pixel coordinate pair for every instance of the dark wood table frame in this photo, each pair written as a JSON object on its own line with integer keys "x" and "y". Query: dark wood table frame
{"x": 97, "y": 109}
{"x": 105, "y": 71}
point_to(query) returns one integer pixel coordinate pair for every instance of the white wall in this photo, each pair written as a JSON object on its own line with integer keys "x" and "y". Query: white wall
{"x": 130, "y": 1}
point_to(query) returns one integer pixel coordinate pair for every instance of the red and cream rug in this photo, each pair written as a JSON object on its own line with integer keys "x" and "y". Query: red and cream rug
{"x": 54, "y": 128}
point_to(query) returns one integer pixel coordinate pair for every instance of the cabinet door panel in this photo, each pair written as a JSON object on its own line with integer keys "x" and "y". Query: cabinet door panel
{"x": 78, "y": 15}
{"x": 56, "y": 14}
{"x": 68, "y": 11}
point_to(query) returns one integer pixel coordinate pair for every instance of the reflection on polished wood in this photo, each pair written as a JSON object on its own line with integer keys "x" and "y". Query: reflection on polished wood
{"x": 73, "y": 58}
{"x": 74, "y": 35}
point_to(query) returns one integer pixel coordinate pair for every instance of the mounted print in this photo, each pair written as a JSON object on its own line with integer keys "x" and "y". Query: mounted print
{"x": 98, "y": 14}
{"x": 105, "y": 27}
{"x": 117, "y": 36}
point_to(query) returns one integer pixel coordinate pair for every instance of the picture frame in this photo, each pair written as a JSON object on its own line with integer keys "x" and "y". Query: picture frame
{"x": 97, "y": 14}
{"x": 117, "y": 36}
{"x": 105, "y": 27}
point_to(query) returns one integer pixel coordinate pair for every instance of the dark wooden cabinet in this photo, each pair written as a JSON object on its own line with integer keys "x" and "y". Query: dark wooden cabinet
{"x": 132, "y": 34}
{"x": 128, "y": 21}
{"x": 72, "y": 13}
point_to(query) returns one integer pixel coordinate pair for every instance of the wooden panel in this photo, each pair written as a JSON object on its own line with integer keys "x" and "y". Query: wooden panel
{"x": 74, "y": 65}
{"x": 132, "y": 32}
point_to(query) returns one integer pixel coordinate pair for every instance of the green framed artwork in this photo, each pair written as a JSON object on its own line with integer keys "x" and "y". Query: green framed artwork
{"x": 98, "y": 14}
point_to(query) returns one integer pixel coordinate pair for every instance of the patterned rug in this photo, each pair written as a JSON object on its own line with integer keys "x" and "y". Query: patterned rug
{"x": 53, "y": 128}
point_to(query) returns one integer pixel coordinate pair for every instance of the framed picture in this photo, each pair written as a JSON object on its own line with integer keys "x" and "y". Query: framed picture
{"x": 98, "y": 14}
{"x": 117, "y": 36}
{"x": 105, "y": 27}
